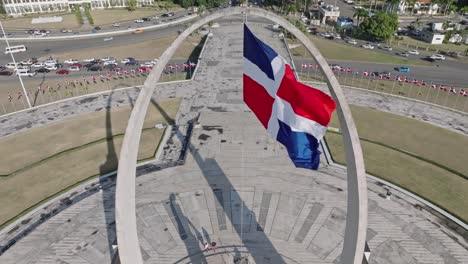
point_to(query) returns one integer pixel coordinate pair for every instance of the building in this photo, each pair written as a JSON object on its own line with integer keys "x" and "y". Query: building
{"x": 20, "y": 7}
{"x": 419, "y": 7}
{"x": 329, "y": 13}
{"x": 433, "y": 37}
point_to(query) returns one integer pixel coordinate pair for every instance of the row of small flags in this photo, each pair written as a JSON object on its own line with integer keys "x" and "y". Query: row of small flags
{"x": 101, "y": 77}
{"x": 388, "y": 77}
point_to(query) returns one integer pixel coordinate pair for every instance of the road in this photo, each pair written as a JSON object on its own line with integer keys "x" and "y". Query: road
{"x": 449, "y": 72}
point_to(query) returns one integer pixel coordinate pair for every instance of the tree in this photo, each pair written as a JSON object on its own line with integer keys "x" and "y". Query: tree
{"x": 381, "y": 27}
{"x": 361, "y": 14}
{"x": 131, "y": 5}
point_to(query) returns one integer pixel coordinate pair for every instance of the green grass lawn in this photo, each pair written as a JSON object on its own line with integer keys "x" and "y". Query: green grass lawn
{"x": 69, "y": 21}
{"x": 423, "y": 45}
{"x": 338, "y": 51}
{"x": 429, "y": 142}
{"x": 67, "y": 153}
{"x": 109, "y": 16}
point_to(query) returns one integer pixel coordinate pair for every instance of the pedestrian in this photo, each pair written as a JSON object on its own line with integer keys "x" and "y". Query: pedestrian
{"x": 213, "y": 246}
{"x": 206, "y": 246}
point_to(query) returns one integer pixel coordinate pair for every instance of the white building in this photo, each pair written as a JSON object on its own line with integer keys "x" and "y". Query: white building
{"x": 329, "y": 12}
{"x": 20, "y": 7}
{"x": 433, "y": 37}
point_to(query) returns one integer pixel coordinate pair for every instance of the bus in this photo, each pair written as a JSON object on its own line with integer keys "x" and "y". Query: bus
{"x": 15, "y": 49}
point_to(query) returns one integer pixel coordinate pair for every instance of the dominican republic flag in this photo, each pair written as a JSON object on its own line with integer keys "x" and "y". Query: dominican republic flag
{"x": 463, "y": 92}
{"x": 294, "y": 113}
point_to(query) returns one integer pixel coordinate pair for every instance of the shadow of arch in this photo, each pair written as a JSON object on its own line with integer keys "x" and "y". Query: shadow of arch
{"x": 356, "y": 220}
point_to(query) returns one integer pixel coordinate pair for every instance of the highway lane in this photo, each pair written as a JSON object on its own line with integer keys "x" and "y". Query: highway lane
{"x": 46, "y": 47}
{"x": 440, "y": 75}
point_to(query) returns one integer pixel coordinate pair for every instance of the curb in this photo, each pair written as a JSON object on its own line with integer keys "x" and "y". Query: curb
{"x": 118, "y": 32}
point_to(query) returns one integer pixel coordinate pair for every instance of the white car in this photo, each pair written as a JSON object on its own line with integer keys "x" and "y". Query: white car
{"x": 139, "y": 21}
{"x": 386, "y": 48}
{"x": 404, "y": 54}
{"x": 38, "y": 64}
{"x": 116, "y": 25}
{"x": 110, "y": 62}
{"x": 26, "y": 62}
{"x": 147, "y": 64}
{"x": 27, "y": 73}
{"x": 437, "y": 57}
{"x": 414, "y": 52}
{"x": 51, "y": 67}
{"x": 108, "y": 39}
{"x": 70, "y": 61}
{"x": 89, "y": 60}
{"x": 367, "y": 46}
{"x": 155, "y": 61}
{"x": 349, "y": 1}
{"x": 11, "y": 65}
{"x": 325, "y": 34}
{"x": 358, "y": 7}
{"x": 73, "y": 68}
{"x": 108, "y": 59}
{"x": 352, "y": 41}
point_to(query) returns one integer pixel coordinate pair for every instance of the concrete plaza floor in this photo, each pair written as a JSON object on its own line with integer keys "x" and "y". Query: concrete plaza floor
{"x": 238, "y": 189}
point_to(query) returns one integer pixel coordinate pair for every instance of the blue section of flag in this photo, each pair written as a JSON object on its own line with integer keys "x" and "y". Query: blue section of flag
{"x": 302, "y": 147}
{"x": 258, "y": 52}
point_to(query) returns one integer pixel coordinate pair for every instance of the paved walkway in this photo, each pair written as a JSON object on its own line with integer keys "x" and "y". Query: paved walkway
{"x": 238, "y": 189}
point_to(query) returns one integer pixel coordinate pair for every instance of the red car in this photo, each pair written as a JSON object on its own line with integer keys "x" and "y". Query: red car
{"x": 144, "y": 68}
{"x": 62, "y": 72}
{"x": 79, "y": 65}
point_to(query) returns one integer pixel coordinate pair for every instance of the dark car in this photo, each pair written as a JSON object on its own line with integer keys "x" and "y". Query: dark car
{"x": 88, "y": 65}
{"x": 97, "y": 28}
{"x": 6, "y": 73}
{"x": 132, "y": 63}
{"x": 42, "y": 70}
{"x": 146, "y": 19}
{"x": 95, "y": 68}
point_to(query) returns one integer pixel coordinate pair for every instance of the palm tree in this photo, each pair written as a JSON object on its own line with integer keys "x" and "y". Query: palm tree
{"x": 361, "y": 14}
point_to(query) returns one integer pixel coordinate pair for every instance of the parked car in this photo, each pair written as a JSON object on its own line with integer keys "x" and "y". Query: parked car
{"x": 139, "y": 20}
{"x": 367, "y": 46}
{"x": 70, "y": 61}
{"x": 97, "y": 28}
{"x": 108, "y": 63}
{"x": 404, "y": 69}
{"x": 386, "y": 48}
{"x": 27, "y": 73}
{"x": 129, "y": 59}
{"x": 42, "y": 70}
{"x": 146, "y": 19}
{"x": 73, "y": 68}
{"x": 87, "y": 65}
{"x": 147, "y": 64}
{"x": 38, "y": 64}
{"x": 108, "y": 59}
{"x": 6, "y": 73}
{"x": 79, "y": 65}
{"x": 132, "y": 63}
{"x": 62, "y": 72}
{"x": 414, "y": 52}
{"x": 116, "y": 25}
{"x": 95, "y": 68}
{"x": 51, "y": 67}
{"x": 437, "y": 57}
{"x": 89, "y": 60}
{"x": 352, "y": 41}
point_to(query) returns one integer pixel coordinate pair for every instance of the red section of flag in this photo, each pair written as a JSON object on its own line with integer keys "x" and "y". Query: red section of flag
{"x": 258, "y": 100}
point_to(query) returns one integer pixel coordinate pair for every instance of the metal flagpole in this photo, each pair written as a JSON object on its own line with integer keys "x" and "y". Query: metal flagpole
{"x": 16, "y": 66}
{"x": 393, "y": 86}
{"x": 466, "y": 100}
{"x": 427, "y": 96}
{"x": 437, "y": 96}
{"x": 456, "y": 101}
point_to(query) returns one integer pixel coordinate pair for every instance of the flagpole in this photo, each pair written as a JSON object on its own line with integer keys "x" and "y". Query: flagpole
{"x": 15, "y": 65}
{"x": 456, "y": 100}
{"x": 427, "y": 96}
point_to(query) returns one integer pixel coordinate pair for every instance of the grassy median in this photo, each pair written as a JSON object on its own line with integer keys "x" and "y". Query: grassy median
{"x": 424, "y": 159}
{"x": 52, "y": 158}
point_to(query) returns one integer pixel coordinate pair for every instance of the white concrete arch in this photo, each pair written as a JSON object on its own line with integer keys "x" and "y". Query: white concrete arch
{"x": 356, "y": 220}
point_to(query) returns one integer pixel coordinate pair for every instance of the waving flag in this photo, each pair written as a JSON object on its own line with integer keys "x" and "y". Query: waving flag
{"x": 186, "y": 65}
{"x": 311, "y": 66}
{"x": 294, "y": 113}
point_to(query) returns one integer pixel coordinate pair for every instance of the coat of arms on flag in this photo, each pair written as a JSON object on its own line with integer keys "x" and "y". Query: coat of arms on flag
{"x": 295, "y": 114}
